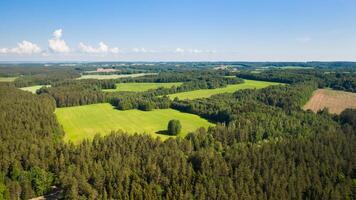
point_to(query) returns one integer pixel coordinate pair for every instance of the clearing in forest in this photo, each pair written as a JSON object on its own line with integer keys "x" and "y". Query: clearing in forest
{"x": 248, "y": 84}
{"x": 140, "y": 87}
{"x": 7, "y": 79}
{"x": 83, "y": 122}
{"x": 335, "y": 101}
{"x": 33, "y": 89}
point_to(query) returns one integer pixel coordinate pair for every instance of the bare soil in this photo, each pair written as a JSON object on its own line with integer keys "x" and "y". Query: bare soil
{"x": 335, "y": 101}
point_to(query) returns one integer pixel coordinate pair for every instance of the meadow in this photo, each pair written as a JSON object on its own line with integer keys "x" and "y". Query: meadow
{"x": 32, "y": 89}
{"x": 335, "y": 101}
{"x": 113, "y": 76}
{"x": 248, "y": 84}
{"x": 140, "y": 87}
{"x": 83, "y": 122}
{"x": 7, "y": 79}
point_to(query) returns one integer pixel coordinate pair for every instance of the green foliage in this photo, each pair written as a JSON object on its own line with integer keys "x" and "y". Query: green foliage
{"x": 331, "y": 78}
{"x": 174, "y": 127}
{"x": 348, "y": 117}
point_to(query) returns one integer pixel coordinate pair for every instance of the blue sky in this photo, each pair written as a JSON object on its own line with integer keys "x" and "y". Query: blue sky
{"x": 177, "y": 30}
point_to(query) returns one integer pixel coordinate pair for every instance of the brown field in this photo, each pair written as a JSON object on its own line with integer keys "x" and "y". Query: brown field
{"x": 335, "y": 101}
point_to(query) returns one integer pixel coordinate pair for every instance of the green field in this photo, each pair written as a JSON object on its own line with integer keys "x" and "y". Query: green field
{"x": 140, "y": 87}
{"x": 113, "y": 76}
{"x": 7, "y": 79}
{"x": 85, "y": 121}
{"x": 32, "y": 89}
{"x": 248, "y": 84}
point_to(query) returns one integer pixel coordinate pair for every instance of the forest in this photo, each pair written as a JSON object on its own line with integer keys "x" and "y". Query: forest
{"x": 264, "y": 146}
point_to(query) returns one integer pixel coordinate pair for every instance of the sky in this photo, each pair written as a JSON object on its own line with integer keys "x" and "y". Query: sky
{"x": 177, "y": 30}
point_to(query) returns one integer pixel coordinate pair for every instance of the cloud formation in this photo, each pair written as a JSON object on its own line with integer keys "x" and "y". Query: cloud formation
{"x": 24, "y": 47}
{"x": 103, "y": 48}
{"x": 57, "y": 44}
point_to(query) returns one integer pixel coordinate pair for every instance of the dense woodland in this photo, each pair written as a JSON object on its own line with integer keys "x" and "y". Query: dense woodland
{"x": 263, "y": 147}
{"x": 339, "y": 80}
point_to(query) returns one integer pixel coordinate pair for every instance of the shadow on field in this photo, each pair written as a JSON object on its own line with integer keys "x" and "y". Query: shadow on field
{"x": 162, "y": 132}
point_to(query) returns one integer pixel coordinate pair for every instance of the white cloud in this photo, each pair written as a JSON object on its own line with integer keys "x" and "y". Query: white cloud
{"x": 24, "y": 47}
{"x": 57, "y": 44}
{"x": 103, "y": 48}
{"x": 179, "y": 50}
{"x": 195, "y": 51}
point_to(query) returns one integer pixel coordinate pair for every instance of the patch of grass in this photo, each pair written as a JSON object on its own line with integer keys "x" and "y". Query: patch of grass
{"x": 33, "y": 89}
{"x": 113, "y": 76}
{"x": 7, "y": 79}
{"x": 140, "y": 87}
{"x": 82, "y": 122}
{"x": 248, "y": 84}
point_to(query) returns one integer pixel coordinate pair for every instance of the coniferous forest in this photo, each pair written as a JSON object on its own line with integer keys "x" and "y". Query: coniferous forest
{"x": 264, "y": 146}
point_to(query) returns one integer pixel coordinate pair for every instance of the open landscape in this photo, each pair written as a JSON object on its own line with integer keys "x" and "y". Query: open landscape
{"x": 140, "y": 87}
{"x": 335, "y": 101}
{"x": 177, "y": 100}
{"x": 248, "y": 84}
{"x": 83, "y": 122}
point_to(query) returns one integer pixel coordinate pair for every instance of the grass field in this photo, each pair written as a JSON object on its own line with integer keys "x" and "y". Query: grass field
{"x": 85, "y": 121}
{"x": 32, "y": 89}
{"x": 248, "y": 84}
{"x": 7, "y": 79}
{"x": 335, "y": 101}
{"x": 140, "y": 87}
{"x": 113, "y": 76}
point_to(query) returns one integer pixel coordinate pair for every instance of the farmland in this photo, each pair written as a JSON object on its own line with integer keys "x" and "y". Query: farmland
{"x": 113, "y": 76}
{"x": 85, "y": 121}
{"x": 140, "y": 87}
{"x": 248, "y": 84}
{"x": 335, "y": 101}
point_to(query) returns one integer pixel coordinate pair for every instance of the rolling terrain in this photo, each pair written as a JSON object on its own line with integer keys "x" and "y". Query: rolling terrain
{"x": 83, "y": 122}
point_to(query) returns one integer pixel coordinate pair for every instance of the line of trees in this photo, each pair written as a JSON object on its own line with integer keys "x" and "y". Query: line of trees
{"x": 81, "y": 92}
{"x": 332, "y": 78}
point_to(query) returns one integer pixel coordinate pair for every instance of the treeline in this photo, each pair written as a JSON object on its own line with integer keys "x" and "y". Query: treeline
{"x": 45, "y": 76}
{"x": 182, "y": 76}
{"x": 339, "y": 80}
{"x": 141, "y": 101}
{"x": 225, "y": 107}
{"x": 311, "y": 157}
{"x": 82, "y": 92}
